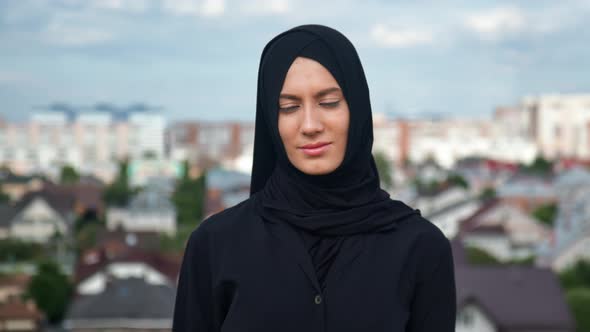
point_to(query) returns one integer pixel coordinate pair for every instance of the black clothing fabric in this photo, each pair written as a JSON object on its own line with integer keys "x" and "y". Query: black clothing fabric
{"x": 316, "y": 253}
{"x": 241, "y": 273}
{"x": 327, "y": 209}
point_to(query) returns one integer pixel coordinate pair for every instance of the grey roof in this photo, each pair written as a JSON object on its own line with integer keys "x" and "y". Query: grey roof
{"x": 7, "y": 213}
{"x": 151, "y": 199}
{"x": 131, "y": 298}
{"x": 225, "y": 180}
{"x": 515, "y": 297}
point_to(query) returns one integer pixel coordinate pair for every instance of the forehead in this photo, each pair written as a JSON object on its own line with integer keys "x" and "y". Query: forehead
{"x": 308, "y": 72}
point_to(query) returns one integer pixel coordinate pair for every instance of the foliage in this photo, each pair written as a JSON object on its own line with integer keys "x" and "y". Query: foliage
{"x": 457, "y": 180}
{"x": 51, "y": 290}
{"x": 118, "y": 193}
{"x": 68, "y": 175}
{"x": 189, "y": 198}
{"x": 546, "y": 213}
{"x": 13, "y": 250}
{"x": 384, "y": 169}
{"x": 528, "y": 261}
{"x": 577, "y": 275}
{"x": 578, "y": 300}
{"x": 477, "y": 256}
{"x": 177, "y": 242}
{"x": 540, "y": 166}
{"x": 487, "y": 193}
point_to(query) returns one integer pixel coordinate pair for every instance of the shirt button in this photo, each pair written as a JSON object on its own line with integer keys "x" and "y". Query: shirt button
{"x": 318, "y": 299}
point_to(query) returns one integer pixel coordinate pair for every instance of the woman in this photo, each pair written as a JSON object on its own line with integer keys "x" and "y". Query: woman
{"x": 318, "y": 246}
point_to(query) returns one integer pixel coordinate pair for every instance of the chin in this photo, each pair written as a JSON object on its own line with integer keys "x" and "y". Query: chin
{"x": 317, "y": 169}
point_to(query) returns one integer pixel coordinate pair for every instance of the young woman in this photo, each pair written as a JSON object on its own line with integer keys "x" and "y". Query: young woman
{"x": 318, "y": 246}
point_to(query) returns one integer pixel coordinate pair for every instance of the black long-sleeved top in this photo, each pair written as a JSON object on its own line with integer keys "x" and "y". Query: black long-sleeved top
{"x": 241, "y": 273}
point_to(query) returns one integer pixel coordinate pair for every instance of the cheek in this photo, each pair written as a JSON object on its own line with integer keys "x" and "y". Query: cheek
{"x": 286, "y": 130}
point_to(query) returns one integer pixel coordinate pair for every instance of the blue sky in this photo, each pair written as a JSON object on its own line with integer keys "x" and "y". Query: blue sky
{"x": 198, "y": 59}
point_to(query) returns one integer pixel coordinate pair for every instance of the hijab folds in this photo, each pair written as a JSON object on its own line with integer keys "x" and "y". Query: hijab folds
{"x": 329, "y": 209}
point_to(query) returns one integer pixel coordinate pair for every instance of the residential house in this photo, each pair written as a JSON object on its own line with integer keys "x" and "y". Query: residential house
{"x": 15, "y": 186}
{"x": 510, "y": 299}
{"x": 95, "y": 269}
{"x": 507, "y": 298}
{"x": 149, "y": 211}
{"x": 38, "y": 216}
{"x": 571, "y": 241}
{"x": 225, "y": 188}
{"x": 16, "y": 315}
{"x": 449, "y": 217}
{"x": 431, "y": 201}
{"x": 504, "y": 230}
{"x": 124, "y": 305}
{"x": 13, "y": 286}
{"x": 528, "y": 191}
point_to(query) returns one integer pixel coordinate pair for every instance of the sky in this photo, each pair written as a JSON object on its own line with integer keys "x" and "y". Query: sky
{"x": 198, "y": 59}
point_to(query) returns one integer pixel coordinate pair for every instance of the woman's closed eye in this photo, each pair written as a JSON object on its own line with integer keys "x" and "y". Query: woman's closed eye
{"x": 288, "y": 108}
{"x": 330, "y": 104}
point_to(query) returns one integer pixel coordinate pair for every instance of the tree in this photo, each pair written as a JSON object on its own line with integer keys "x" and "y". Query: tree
{"x": 189, "y": 198}
{"x": 51, "y": 290}
{"x": 540, "y": 166}
{"x": 118, "y": 193}
{"x": 577, "y": 275}
{"x": 546, "y": 213}
{"x": 68, "y": 175}
{"x": 384, "y": 169}
{"x": 578, "y": 300}
{"x": 477, "y": 256}
{"x": 487, "y": 194}
{"x": 457, "y": 180}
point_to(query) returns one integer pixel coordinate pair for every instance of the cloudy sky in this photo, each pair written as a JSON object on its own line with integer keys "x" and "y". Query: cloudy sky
{"x": 198, "y": 59}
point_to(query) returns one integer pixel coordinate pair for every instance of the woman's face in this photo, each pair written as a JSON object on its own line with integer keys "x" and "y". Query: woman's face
{"x": 313, "y": 118}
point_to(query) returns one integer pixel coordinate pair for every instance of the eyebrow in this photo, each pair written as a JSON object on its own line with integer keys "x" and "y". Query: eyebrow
{"x": 317, "y": 95}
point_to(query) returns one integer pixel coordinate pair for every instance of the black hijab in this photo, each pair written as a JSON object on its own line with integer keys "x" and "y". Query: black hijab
{"x": 325, "y": 209}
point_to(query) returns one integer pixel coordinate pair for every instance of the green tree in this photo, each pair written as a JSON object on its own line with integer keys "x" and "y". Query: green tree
{"x": 477, "y": 256}
{"x": 118, "y": 192}
{"x": 4, "y": 198}
{"x": 577, "y": 275}
{"x": 578, "y": 300}
{"x": 487, "y": 194}
{"x": 51, "y": 291}
{"x": 546, "y": 213}
{"x": 68, "y": 175}
{"x": 539, "y": 166}
{"x": 189, "y": 198}
{"x": 12, "y": 250}
{"x": 384, "y": 169}
{"x": 457, "y": 180}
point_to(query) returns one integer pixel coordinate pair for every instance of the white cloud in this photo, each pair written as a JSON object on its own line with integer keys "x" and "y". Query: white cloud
{"x": 265, "y": 7}
{"x": 496, "y": 23}
{"x": 194, "y": 7}
{"x": 59, "y": 33}
{"x": 136, "y": 6}
{"x": 386, "y": 36}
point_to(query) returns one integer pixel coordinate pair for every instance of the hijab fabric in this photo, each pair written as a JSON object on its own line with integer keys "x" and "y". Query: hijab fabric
{"x": 325, "y": 209}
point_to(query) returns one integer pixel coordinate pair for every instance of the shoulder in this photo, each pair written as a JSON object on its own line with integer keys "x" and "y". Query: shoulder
{"x": 428, "y": 244}
{"x": 231, "y": 220}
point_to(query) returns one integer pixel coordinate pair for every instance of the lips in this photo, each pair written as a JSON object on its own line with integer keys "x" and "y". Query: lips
{"x": 315, "y": 149}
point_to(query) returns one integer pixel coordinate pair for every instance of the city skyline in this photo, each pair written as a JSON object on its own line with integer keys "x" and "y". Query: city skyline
{"x": 199, "y": 59}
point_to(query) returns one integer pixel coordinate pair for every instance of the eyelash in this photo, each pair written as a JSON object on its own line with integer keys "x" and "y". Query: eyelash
{"x": 289, "y": 109}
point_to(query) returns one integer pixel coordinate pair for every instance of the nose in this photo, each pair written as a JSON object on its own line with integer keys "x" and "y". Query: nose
{"x": 312, "y": 121}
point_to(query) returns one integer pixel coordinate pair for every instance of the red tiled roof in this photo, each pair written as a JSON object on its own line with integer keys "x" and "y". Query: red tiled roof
{"x": 19, "y": 310}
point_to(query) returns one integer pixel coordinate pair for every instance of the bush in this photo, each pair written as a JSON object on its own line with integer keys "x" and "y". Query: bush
{"x": 477, "y": 256}
{"x": 51, "y": 290}
{"x": 578, "y": 300}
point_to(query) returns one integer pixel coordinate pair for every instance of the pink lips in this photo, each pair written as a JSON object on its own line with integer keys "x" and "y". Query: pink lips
{"x": 315, "y": 149}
